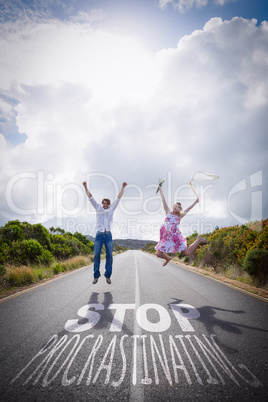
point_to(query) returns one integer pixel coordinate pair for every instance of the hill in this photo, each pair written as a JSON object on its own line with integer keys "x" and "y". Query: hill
{"x": 132, "y": 244}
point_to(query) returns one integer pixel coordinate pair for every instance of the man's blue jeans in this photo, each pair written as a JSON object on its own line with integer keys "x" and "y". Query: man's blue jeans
{"x": 106, "y": 239}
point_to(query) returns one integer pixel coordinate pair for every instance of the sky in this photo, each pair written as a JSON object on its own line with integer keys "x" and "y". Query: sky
{"x": 107, "y": 91}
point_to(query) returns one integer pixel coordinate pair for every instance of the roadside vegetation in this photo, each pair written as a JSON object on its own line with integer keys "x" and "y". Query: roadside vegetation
{"x": 31, "y": 253}
{"x": 237, "y": 252}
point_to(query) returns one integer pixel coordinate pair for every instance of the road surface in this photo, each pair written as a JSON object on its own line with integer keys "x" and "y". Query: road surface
{"x": 154, "y": 334}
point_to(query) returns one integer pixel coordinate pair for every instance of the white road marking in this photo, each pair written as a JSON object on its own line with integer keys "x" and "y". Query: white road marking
{"x": 136, "y": 387}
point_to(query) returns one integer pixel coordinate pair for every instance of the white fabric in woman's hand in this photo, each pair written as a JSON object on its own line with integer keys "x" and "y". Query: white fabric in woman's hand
{"x": 200, "y": 176}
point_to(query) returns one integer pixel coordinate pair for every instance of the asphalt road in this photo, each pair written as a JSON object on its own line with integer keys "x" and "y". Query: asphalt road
{"x": 154, "y": 334}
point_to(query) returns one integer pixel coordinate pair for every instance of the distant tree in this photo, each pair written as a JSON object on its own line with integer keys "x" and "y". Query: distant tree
{"x": 27, "y": 230}
{"x": 41, "y": 234}
{"x": 60, "y": 231}
{"x": 81, "y": 238}
{"x": 12, "y": 231}
{"x": 56, "y": 230}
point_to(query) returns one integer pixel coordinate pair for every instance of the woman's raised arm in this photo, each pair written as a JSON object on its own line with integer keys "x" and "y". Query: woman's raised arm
{"x": 163, "y": 200}
{"x": 189, "y": 208}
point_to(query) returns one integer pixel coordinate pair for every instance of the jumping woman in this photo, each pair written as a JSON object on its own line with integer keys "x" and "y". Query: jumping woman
{"x": 171, "y": 239}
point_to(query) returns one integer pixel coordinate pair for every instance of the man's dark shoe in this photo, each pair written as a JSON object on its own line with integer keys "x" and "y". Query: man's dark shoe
{"x": 95, "y": 280}
{"x": 108, "y": 280}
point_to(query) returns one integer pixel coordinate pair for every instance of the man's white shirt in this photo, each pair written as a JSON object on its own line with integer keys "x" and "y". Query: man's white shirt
{"x": 104, "y": 216}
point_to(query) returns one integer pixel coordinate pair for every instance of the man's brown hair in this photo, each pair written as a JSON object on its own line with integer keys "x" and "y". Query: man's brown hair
{"x": 107, "y": 200}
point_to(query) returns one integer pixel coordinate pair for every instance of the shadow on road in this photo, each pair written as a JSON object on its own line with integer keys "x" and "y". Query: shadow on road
{"x": 209, "y": 317}
{"x": 107, "y": 315}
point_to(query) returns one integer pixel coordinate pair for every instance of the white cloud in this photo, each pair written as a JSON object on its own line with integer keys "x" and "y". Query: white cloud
{"x": 89, "y": 17}
{"x": 223, "y": 2}
{"x": 183, "y": 5}
{"x": 163, "y": 3}
{"x": 93, "y": 102}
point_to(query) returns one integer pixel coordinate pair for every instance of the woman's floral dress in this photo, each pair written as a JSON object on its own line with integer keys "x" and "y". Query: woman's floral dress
{"x": 171, "y": 239}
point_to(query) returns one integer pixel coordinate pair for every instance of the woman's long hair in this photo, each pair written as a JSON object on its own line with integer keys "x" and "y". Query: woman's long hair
{"x": 180, "y": 211}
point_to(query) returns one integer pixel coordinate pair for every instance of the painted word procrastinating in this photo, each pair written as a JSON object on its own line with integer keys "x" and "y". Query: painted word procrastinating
{"x": 176, "y": 359}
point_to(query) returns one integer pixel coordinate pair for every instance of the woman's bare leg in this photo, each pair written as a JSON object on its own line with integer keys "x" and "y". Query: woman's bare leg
{"x": 193, "y": 246}
{"x": 160, "y": 254}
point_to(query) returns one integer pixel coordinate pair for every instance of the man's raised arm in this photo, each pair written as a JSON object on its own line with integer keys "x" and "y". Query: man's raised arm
{"x": 87, "y": 191}
{"x": 122, "y": 190}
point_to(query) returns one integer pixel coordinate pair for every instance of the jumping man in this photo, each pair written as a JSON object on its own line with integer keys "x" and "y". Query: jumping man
{"x": 104, "y": 215}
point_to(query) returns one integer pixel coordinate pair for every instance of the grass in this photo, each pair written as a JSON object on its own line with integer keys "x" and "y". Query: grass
{"x": 18, "y": 276}
{"x": 15, "y": 277}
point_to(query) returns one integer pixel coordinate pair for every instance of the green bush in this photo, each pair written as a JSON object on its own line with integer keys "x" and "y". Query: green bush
{"x": 79, "y": 244}
{"x": 61, "y": 251}
{"x": 41, "y": 234}
{"x": 150, "y": 248}
{"x": 23, "y": 243}
{"x": 58, "y": 239}
{"x": 57, "y": 268}
{"x": 256, "y": 265}
{"x": 46, "y": 258}
{"x": 215, "y": 255}
{"x": 26, "y": 251}
{"x": 2, "y": 270}
{"x": 4, "y": 252}
{"x": 82, "y": 238}
{"x": 75, "y": 245}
